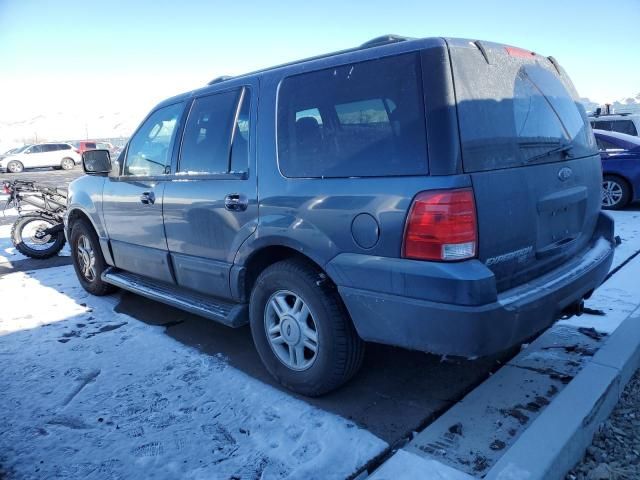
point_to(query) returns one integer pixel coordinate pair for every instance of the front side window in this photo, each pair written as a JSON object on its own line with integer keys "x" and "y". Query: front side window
{"x": 601, "y": 125}
{"x": 149, "y": 151}
{"x": 216, "y": 135}
{"x": 36, "y": 149}
{"x": 360, "y": 120}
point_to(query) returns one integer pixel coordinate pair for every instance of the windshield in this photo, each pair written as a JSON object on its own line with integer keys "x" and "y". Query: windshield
{"x": 516, "y": 112}
{"x": 13, "y": 151}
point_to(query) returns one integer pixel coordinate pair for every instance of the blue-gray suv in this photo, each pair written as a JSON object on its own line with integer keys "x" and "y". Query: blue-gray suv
{"x": 436, "y": 194}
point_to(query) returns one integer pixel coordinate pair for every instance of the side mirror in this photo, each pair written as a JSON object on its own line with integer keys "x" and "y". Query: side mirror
{"x": 96, "y": 162}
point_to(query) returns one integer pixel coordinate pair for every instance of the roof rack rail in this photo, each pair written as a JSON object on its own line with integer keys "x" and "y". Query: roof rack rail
{"x": 222, "y": 78}
{"x": 384, "y": 40}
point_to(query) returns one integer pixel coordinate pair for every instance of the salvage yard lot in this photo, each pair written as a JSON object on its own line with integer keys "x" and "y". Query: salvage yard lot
{"x": 122, "y": 387}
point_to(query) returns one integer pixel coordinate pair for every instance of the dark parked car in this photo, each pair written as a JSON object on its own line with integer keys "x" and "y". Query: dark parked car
{"x": 436, "y": 194}
{"x": 620, "y": 155}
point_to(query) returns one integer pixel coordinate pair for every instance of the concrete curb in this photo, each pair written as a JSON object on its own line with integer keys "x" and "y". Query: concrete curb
{"x": 558, "y": 438}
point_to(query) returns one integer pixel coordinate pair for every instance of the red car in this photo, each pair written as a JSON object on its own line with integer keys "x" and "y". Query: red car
{"x": 83, "y": 146}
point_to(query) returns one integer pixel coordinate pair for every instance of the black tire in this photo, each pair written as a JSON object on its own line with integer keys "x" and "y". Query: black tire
{"x": 339, "y": 351}
{"x": 48, "y": 248}
{"x": 81, "y": 231}
{"x": 67, "y": 164}
{"x": 15, "y": 166}
{"x": 616, "y": 192}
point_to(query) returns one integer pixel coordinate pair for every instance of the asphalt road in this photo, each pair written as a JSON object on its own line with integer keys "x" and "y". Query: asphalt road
{"x": 396, "y": 392}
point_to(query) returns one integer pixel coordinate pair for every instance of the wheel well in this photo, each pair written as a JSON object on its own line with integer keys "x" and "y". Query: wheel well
{"x": 77, "y": 215}
{"x": 266, "y": 257}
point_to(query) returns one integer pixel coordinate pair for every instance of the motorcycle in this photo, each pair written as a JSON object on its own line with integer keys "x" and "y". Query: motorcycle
{"x": 39, "y": 232}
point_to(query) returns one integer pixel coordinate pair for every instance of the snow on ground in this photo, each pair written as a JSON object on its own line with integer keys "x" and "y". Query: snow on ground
{"x": 90, "y": 393}
{"x": 619, "y": 295}
{"x": 628, "y": 228}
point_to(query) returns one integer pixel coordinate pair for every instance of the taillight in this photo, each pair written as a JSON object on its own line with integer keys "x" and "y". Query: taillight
{"x": 441, "y": 226}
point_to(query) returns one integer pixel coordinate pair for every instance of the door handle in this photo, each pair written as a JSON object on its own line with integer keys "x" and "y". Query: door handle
{"x": 234, "y": 202}
{"x": 148, "y": 198}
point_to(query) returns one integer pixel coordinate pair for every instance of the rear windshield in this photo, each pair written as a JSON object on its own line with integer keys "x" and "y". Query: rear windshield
{"x": 516, "y": 112}
{"x": 359, "y": 120}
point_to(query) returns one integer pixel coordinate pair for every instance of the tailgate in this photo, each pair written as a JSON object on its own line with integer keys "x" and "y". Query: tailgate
{"x": 530, "y": 220}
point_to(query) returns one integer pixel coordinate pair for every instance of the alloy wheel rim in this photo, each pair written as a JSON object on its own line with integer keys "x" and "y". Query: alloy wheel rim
{"x": 14, "y": 168}
{"x": 611, "y": 193}
{"x": 86, "y": 258}
{"x": 30, "y": 235}
{"x": 291, "y": 330}
{"x": 67, "y": 164}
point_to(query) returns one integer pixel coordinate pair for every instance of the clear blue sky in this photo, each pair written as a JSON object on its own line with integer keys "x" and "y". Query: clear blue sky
{"x": 112, "y": 53}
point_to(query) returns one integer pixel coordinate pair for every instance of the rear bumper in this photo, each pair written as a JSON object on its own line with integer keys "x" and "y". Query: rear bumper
{"x": 462, "y": 327}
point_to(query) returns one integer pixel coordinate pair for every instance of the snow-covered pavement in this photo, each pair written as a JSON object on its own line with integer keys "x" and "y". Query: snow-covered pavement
{"x": 86, "y": 392}
{"x": 90, "y": 393}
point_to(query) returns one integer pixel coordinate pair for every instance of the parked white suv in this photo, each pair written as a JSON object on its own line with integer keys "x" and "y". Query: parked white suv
{"x": 628, "y": 123}
{"x": 57, "y": 155}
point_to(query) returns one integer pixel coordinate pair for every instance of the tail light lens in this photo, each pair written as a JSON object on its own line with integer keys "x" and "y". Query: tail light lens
{"x": 442, "y": 226}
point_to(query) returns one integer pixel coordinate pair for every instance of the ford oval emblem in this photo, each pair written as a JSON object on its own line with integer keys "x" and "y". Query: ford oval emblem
{"x": 564, "y": 173}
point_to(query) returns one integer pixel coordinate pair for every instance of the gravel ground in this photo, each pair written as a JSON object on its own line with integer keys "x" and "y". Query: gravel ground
{"x": 615, "y": 451}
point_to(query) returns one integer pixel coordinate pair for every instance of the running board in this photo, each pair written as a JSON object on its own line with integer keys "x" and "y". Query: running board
{"x": 230, "y": 314}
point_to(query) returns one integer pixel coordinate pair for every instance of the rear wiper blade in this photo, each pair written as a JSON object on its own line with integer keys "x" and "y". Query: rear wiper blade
{"x": 560, "y": 149}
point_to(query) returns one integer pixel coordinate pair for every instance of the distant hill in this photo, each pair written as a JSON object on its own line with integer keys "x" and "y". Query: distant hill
{"x": 63, "y": 125}
{"x": 625, "y": 105}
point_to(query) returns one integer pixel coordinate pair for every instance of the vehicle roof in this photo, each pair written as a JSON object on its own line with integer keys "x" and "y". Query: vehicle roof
{"x": 395, "y": 45}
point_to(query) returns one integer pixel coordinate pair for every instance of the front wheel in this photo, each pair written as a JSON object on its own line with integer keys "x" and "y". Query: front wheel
{"x": 615, "y": 192}
{"x": 15, "y": 167}
{"x": 28, "y": 238}
{"x": 301, "y": 329}
{"x": 88, "y": 261}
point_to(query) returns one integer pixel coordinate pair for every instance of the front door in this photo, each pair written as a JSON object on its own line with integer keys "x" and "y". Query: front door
{"x": 132, "y": 201}
{"x": 210, "y": 207}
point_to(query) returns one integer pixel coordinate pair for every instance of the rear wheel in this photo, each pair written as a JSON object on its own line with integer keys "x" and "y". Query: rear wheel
{"x": 15, "y": 166}
{"x": 67, "y": 164}
{"x": 88, "y": 261}
{"x": 301, "y": 329}
{"x": 616, "y": 192}
{"x": 27, "y": 236}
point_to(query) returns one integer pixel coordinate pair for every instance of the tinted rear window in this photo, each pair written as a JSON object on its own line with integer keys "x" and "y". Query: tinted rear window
{"x": 624, "y": 126}
{"x": 359, "y": 120}
{"x": 515, "y": 112}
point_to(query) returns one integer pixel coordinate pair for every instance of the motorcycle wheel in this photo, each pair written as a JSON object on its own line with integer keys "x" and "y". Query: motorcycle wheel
{"x": 23, "y": 236}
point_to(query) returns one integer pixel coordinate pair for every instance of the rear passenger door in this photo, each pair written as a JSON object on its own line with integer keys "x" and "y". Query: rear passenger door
{"x": 210, "y": 205}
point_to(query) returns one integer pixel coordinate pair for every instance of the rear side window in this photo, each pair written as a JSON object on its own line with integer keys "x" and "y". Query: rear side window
{"x": 516, "y": 112}
{"x": 624, "y": 126}
{"x": 216, "y": 135}
{"x": 360, "y": 120}
{"x": 64, "y": 146}
{"x": 90, "y": 145}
